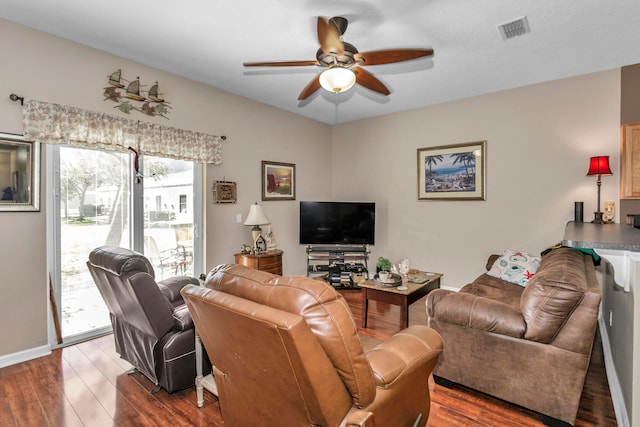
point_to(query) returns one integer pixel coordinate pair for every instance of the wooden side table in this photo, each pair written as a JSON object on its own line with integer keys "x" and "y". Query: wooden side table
{"x": 203, "y": 382}
{"x": 269, "y": 261}
{"x": 371, "y": 291}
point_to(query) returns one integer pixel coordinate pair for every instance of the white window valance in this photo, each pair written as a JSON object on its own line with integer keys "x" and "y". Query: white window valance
{"x": 58, "y": 124}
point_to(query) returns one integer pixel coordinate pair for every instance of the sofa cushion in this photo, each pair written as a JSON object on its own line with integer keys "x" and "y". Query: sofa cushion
{"x": 472, "y": 311}
{"x": 515, "y": 267}
{"x": 553, "y": 293}
{"x": 495, "y": 289}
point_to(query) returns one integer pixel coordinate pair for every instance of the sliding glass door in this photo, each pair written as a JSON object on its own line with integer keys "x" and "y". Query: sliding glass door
{"x": 94, "y": 211}
{"x": 96, "y": 202}
{"x": 168, "y": 216}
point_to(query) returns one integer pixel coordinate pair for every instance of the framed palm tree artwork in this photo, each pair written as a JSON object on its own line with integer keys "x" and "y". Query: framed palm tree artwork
{"x": 452, "y": 172}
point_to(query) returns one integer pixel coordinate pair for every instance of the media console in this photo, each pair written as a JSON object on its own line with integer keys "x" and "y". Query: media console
{"x": 342, "y": 266}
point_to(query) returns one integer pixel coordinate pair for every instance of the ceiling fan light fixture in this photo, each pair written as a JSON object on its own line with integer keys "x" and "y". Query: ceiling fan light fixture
{"x": 337, "y": 79}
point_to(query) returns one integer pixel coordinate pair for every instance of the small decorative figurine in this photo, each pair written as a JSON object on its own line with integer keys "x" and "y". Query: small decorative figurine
{"x": 271, "y": 240}
{"x": 261, "y": 244}
{"x": 609, "y": 212}
{"x": 403, "y": 267}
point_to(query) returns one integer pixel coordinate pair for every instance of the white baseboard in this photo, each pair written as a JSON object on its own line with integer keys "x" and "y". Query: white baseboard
{"x": 612, "y": 376}
{"x": 25, "y": 355}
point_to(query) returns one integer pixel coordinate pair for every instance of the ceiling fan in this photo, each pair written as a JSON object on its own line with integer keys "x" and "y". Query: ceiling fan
{"x": 342, "y": 61}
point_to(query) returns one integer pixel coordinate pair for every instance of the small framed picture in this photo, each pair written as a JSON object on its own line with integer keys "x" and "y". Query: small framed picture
{"x": 278, "y": 181}
{"x": 224, "y": 192}
{"x": 452, "y": 172}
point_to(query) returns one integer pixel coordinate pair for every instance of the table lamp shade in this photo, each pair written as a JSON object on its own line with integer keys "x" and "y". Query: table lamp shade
{"x": 599, "y": 165}
{"x": 256, "y": 216}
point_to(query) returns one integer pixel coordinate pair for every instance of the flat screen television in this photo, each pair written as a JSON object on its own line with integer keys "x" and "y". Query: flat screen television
{"x": 337, "y": 223}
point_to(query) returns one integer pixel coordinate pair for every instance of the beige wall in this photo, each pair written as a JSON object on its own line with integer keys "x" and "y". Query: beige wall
{"x": 51, "y": 69}
{"x": 273, "y": 136}
{"x": 539, "y": 140}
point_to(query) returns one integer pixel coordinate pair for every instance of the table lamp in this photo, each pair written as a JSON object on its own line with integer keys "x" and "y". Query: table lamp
{"x": 256, "y": 218}
{"x": 599, "y": 166}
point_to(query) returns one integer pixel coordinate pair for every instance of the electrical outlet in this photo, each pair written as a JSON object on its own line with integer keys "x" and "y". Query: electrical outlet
{"x": 239, "y": 217}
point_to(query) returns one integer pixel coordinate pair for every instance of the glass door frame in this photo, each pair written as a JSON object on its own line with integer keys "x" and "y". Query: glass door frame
{"x": 136, "y": 194}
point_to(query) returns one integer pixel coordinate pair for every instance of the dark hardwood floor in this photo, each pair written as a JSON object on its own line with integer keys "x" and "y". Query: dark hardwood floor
{"x": 87, "y": 385}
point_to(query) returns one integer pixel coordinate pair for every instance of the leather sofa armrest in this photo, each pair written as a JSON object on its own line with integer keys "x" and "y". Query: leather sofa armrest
{"x": 182, "y": 318}
{"x": 410, "y": 349}
{"x": 476, "y": 312}
{"x": 491, "y": 260}
{"x": 171, "y": 287}
{"x": 358, "y": 418}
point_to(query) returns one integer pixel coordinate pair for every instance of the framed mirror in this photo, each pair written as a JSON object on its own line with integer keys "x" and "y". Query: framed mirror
{"x": 19, "y": 174}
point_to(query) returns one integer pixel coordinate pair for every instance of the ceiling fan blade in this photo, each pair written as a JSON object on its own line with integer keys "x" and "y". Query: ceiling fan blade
{"x": 280, "y": 64}
{"x": 310, "y": 88}
{"x": 329, "y": 36}
{"x": 369, "y": 81}
{"x": 391, "y": 55}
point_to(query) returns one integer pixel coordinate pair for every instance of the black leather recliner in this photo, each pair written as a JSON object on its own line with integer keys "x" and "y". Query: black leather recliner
{"x": 152, "y": 327}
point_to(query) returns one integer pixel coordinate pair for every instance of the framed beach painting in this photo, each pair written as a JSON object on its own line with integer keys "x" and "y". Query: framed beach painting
{"x": 278, "y": 181}
{"x": 452, "y": 172}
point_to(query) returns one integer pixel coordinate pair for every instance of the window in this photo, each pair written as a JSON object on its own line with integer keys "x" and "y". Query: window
{"x": 168, "y": 231}
{"x": 98, "y": 204}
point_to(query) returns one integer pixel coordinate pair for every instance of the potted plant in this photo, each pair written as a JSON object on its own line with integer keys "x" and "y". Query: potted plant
{"x": 383, "y": 267}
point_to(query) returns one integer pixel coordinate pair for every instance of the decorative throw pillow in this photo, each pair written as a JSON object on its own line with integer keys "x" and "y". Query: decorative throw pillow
{"x": 515, "y": 267}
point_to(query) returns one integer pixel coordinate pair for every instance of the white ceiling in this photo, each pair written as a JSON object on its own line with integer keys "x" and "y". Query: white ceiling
{"x": 208, "y": 40}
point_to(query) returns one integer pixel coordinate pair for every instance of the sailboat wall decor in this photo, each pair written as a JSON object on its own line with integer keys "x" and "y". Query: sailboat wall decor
{"x": 115, "y": 78}
{"x": 151, "y": 102}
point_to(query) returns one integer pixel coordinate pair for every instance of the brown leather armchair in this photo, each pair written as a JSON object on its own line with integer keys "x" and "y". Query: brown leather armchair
{"x": 286, "y": 351}
{"x": 152, "y": 326}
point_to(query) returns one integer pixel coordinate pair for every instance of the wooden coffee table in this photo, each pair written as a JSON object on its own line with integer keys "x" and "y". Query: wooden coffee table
{"x": 392, "y": 295}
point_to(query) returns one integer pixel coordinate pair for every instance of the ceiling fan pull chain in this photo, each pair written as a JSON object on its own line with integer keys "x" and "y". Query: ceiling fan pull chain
{"x": 336, "y": 120}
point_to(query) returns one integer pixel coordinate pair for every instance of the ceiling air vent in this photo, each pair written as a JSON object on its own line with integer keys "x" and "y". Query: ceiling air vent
{"x": 514, "y": 28}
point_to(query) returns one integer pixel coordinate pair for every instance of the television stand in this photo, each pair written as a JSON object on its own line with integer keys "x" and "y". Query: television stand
{"x": 343, "y": 267}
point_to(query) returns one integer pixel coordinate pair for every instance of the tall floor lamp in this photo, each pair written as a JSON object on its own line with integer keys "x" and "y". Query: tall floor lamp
{"x": 599, "y": 166}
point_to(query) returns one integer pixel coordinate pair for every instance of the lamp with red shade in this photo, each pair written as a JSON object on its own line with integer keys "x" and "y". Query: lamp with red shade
{"x": 599, "y": 166}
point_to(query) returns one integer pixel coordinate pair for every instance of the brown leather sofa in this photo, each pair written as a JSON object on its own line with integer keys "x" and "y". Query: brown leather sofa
{"x": 152, "y": 326}
{"x": 530, "y": 346}
{"x": 286, "y": 352}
